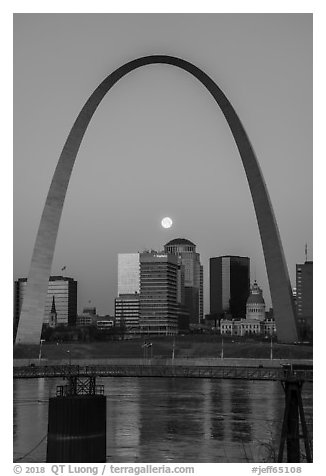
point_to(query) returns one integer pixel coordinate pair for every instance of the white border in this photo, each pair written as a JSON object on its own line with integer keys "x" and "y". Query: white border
{"x": 168, "y": 6}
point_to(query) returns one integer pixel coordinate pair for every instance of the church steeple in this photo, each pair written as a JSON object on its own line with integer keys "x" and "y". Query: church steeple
{"x": 53, "y": 314}
{"x": 53, "y": 309}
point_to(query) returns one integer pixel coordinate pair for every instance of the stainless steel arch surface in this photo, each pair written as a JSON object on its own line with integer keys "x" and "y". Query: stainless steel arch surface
{"x": 31, "y": 317}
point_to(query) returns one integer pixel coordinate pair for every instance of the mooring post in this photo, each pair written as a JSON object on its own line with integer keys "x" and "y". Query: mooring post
{"x": 292, "y": 441}
{"x": 293, "y": 413}
{"x": 77, "y": 422}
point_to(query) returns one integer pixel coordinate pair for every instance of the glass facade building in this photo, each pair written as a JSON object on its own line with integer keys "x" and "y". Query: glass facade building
{"x": 229, "y": 285}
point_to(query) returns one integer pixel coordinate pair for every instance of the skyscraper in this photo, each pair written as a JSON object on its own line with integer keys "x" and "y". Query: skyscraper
{"x": 60, "y": 288}
{"x": 158, "y": 293}
{"x": 193, "y": 282}
{"x": 126, "y": 309}
{"x": 229, "y": 285}
{"x": 126, "y": 305}
{"x": 128, "y": 273}
{"x": 304, "y": 298}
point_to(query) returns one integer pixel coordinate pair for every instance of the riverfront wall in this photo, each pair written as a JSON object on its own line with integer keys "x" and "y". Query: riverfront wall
{"x": 226, "y": 362}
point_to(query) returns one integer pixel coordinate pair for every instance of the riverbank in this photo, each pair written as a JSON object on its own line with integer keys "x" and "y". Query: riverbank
{"x": 182, "y": 347}
{"x": 188, "y": 363}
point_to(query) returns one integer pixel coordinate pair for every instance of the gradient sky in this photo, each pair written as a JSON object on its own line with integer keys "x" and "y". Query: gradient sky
{"x": 158, "y": 145}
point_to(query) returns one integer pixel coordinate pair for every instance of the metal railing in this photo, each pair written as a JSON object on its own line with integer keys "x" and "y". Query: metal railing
{"x": 80, "y": 386}
{"x": 215, "y": 372}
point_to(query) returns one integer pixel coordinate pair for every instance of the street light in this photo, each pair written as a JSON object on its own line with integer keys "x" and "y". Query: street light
{"x": 222, "y": 353}
{"x": 145, "y": 347}
{"x": 68, "y": 352}
{"x": 40, "y": 353}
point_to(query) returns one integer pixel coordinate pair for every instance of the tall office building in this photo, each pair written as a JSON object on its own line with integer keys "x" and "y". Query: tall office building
{"x": 126, "y": 309}
{"x": 159, "y": 293}
{"x": 126, "y": 305}
{"x": 128, "y": 273}
{"x": 193, "y": 281}
{"x": 229, "y": 285}
{"x": 304, "y": 298}
{"x": 62, "y": 289}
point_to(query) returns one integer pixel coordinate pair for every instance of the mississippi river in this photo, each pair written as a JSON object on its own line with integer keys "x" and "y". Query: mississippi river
{"x": 168, "y": 420}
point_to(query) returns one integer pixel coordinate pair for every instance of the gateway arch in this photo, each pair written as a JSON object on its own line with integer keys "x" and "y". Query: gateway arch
{"x": 32, "y": 312}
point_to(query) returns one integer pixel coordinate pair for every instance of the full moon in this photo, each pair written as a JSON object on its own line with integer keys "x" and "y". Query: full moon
{"x": 166, "y": 222}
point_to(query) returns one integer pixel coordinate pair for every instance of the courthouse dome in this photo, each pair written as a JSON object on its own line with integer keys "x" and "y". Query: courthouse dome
{"x": 256, "y": 295}
{"x": 255, "y": 299}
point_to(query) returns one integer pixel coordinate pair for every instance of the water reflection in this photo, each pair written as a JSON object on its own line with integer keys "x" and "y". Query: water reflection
{"x": 167, "y": 420}
{"x": 241, "y": 410}
{"x": 171, "y": 408}
{"x": 30, "y": 418}
{"x": 217, "y": 419}
{"x": 123, "y": 419}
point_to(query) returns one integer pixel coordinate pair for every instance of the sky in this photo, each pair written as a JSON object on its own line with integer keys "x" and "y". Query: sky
{"x": 158, "y": 145}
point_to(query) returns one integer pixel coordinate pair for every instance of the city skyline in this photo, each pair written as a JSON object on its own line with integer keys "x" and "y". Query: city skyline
{"x": 120, "y": 216}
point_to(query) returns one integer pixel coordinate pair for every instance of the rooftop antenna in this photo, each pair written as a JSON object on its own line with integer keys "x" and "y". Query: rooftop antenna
{"x": 306, "y": 252}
